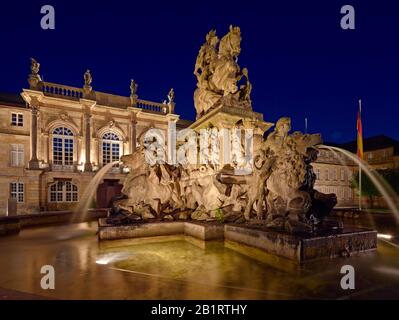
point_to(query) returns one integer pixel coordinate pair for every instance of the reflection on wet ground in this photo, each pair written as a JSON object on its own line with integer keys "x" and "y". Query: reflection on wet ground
{"x": 181, "y": 268}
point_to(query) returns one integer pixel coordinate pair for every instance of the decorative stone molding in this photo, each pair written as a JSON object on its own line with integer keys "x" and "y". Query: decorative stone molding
{"x": 115, "y": 129}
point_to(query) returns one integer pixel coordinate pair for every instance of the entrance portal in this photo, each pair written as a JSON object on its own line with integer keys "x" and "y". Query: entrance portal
{"x": 106, "y": 191}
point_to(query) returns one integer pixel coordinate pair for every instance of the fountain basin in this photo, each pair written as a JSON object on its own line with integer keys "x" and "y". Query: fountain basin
{"x": 303, "y": 248}
{"x": 203, "y": 231}
{"x": 9, "y": 225}
{"x": 299, "y": 248}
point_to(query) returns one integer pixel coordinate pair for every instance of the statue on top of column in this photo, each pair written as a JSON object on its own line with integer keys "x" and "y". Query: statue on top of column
{"x": 171, "y": 96}
{"x": 34, "y": 67}
{"x": 218, "y": 73}
{"x": 34, "y": 77}
{"x": 133, "y": 88}
{"x": 88, "y": 78}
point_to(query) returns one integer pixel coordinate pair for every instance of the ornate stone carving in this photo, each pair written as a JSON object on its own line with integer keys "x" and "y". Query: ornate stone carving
{"x": 34, "y": 77}
{"x": 133, "y": 88}
{"x": 218, "y": 73}
{"x": 274, "y": 187}
{"x": 171, "y": 101}
{"x": 88, "y": 80}
{"x": 64, "y": 116}
{"x": 133, "y": 93}
{"x": 171, "y": 96}
{"x": 34, "y": 67}
{"x": 279, "y": 192}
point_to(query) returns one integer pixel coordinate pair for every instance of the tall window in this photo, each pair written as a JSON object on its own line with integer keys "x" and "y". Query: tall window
{"x": 342, "y": 174}
{"x": 111, "y": 147}
{"x": 326, "y": 176}
{"x": 318, "y": 174}
{"x": 332, "y": 174}
{"x": 342, "y": 193}
{"x": 17, "y": 191}
{"x": 384, "y": 154}
{"x": 17, "y": 155}
{"x": 17, "y": 119}
{"x": 370, "y": 156}
{"x": 62, "y": 146}
{"x": 63, "y": 191}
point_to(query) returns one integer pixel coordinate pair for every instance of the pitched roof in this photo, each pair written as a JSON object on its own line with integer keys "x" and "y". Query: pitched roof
{"x": 12, "y": 99}
{"x": 372, "y": 143}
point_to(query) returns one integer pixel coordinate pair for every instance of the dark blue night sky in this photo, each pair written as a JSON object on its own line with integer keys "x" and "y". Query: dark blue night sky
{"x": 301, "y": 63}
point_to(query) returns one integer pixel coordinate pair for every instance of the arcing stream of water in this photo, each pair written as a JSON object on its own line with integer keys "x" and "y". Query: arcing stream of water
{"x": 383, "y": 187}
{"x": 84, "y": 203}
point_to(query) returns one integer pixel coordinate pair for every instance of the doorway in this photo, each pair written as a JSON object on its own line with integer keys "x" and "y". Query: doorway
{"x": 106, "y": 191}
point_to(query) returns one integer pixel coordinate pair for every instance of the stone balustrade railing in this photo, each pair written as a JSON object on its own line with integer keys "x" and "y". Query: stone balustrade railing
{"x": 73, "y": 93}
{"x": 53, "y": 89}
{"x": 152, "y": 106}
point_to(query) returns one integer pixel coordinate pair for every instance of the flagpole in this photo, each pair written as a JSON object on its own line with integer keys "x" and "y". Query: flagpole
{"x": 360, "y": 168}
{"x": 306, "y": 125}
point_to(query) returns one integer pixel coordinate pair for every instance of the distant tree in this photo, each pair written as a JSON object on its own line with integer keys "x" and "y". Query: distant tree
{"x": 369, "y": 190}
{"x": 392, "y": 177}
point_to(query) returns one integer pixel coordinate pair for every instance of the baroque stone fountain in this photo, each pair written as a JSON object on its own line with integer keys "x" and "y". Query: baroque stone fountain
{"x": 227, "y": 181}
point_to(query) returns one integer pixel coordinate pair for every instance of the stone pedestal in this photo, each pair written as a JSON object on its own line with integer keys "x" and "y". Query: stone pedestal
{"x": 34, "y": 81}
{"x": 32, "y": 191}
{"x": 225, "y": 118}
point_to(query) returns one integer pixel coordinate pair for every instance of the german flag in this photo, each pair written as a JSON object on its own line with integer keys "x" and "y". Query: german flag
{"x": 359, "y": 132}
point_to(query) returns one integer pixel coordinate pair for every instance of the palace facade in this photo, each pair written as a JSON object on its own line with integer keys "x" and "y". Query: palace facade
{"x": 54, "y": 138}
{"x": 334, "y": 173}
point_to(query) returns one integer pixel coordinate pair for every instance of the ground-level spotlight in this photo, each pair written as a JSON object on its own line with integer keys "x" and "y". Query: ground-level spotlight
{"x": 384, "y": 236}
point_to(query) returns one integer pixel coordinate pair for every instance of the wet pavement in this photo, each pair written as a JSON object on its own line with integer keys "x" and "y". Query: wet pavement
{"x": 180, "y": 268}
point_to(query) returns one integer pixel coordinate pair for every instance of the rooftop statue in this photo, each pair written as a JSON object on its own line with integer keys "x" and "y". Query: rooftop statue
{"x": 133, "y": 88}
{"x": 88, "y": 79}
{"x": 218, "y": 73}
{"x": 171, "y": 96}
{"x": 34, "y": 67}
{"x": 34, "y": 78}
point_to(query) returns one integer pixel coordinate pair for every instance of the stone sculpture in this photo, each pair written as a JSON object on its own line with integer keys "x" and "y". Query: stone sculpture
{"x": 133, "y": 88}
{"x": 88, "y": 79}
{"x": 218, "y": 73}
{"x": 34, "y": 78}
{"x": 171, "y": 96}
{"x": 275, "y": 188}
{"x": 278, "y": 193}
{"x": 34, "y": 67}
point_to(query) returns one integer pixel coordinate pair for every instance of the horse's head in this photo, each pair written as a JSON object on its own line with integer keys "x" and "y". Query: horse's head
{"x": 230, "y": 43}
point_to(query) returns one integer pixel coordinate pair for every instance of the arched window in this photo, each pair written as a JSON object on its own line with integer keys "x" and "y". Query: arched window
{"x": 63, "y": 191}
{"x": 62, "y": 146}
{"x": 111, "y": 148}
